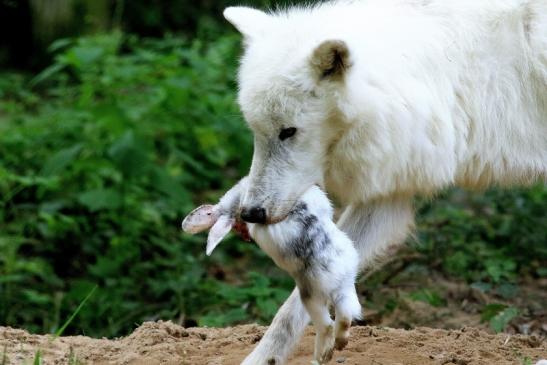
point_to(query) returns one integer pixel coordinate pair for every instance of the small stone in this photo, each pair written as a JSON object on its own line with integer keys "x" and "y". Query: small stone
{"x": 341, "y": 360}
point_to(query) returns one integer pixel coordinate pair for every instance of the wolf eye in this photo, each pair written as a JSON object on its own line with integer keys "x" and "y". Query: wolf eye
{"x": 287, "y": 133}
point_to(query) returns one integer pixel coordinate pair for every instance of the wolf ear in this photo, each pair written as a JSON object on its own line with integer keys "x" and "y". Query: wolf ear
{"x": 331, "y": 59}
{"x": 221, "y": 228}
{"x": 250, "y": 22}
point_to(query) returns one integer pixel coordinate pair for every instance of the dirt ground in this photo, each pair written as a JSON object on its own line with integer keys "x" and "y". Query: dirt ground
{"x": 168, "y": 343}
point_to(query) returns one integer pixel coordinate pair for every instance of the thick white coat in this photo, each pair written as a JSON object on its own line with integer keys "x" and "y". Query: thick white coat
{"x": 310, "y": 247}
{"x": 434, "y": 93}
{"x": 324, "y": 267}
{"x": 438, "y": 93}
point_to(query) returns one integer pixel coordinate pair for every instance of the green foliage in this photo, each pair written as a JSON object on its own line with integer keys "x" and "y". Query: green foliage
{"x": 76, "y": 311}
{"x": 193, "y": 17}
{"x": 428, "y": 296}
{"x": 100, "y": 161}
{"x": 264, "y": 294}
{"x": 105, "y": 151}
{"x": 502, "y": 319}
{"x": 498, "y": 316}
{"x": 491, "y": 237}
{"x": 489, "y": 311}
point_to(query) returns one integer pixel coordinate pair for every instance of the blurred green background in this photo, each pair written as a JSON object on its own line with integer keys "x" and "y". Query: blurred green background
{"x": 118, "y": 117}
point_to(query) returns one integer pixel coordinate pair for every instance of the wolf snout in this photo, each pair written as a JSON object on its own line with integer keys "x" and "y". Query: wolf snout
{"x": 254, "y": 215}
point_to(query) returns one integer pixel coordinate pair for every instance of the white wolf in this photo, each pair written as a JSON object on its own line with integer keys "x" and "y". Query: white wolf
{"x": 380, "y": 100}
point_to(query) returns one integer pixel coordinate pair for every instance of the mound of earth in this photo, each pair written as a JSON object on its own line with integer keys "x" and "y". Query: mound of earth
{"x": 168, "y": 343}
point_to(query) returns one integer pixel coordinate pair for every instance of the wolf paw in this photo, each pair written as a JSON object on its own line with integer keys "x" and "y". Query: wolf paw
{"x": 267, "y": 360}
{"x": 340, "y": 343}
{"x": 326, "y": 356}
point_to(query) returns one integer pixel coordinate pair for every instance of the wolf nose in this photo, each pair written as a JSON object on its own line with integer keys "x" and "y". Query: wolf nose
{"x": 254, "y": 215}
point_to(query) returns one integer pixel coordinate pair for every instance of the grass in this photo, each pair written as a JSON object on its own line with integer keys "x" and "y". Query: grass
{"x": 72, "y": 358}
{"x": 4, "y": 355}
{"x": 76, "y": 311}
{"x": 37, "y": 358}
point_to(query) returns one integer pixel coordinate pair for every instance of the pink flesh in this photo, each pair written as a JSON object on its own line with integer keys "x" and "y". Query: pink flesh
{"x": 200, "y": 219}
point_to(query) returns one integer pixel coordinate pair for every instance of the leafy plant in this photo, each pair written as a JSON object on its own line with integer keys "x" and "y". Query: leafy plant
{"x": 498, "y": 316}
{"x": 502, "y": 319}
{"x": 95, "y": 177}
{"x": 428, "y": 296}
{"x": 487, "y": 237}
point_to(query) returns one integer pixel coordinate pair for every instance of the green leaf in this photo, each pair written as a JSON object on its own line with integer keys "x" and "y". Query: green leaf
{"x": 36, "y": 298}
{"x": 482, "y": 286}
{"x": 169, "y": 186}
{"x": 267, "y": 306}
{"x": 59, "y": 44}
{"x": 221, "y": 319}
{"x": 60, "y": 160}
{"x": 83, "y": 56}
{"x": 428, "y": 296}
{"x": 489, "y": 311}
{"x": 99, "y": 199}
{"x": 507, "y": 290}
{"x": 499, "y": 268}
{"x": 502, "y": 319}
{"x": 46, "y": 74}
{"x": 457, "y": 263}
{"x": 129, "y": 154}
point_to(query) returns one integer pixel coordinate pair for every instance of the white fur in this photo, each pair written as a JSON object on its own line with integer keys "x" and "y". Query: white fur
{"x": 439, "y": 93}
{"x": 436, "y": 93}
{"x": 330, "y": 276}
{"x": 309, "y": 246}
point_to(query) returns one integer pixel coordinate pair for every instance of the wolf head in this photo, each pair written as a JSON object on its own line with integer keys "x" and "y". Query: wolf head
{"x": 289, "y": 86}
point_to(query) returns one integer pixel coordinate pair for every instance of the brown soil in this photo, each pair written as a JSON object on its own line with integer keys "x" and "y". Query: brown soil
{"x": 167, "y": 343}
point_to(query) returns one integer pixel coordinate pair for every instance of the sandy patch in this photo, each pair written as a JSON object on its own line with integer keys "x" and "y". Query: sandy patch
{"x": 167, "y": 343}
